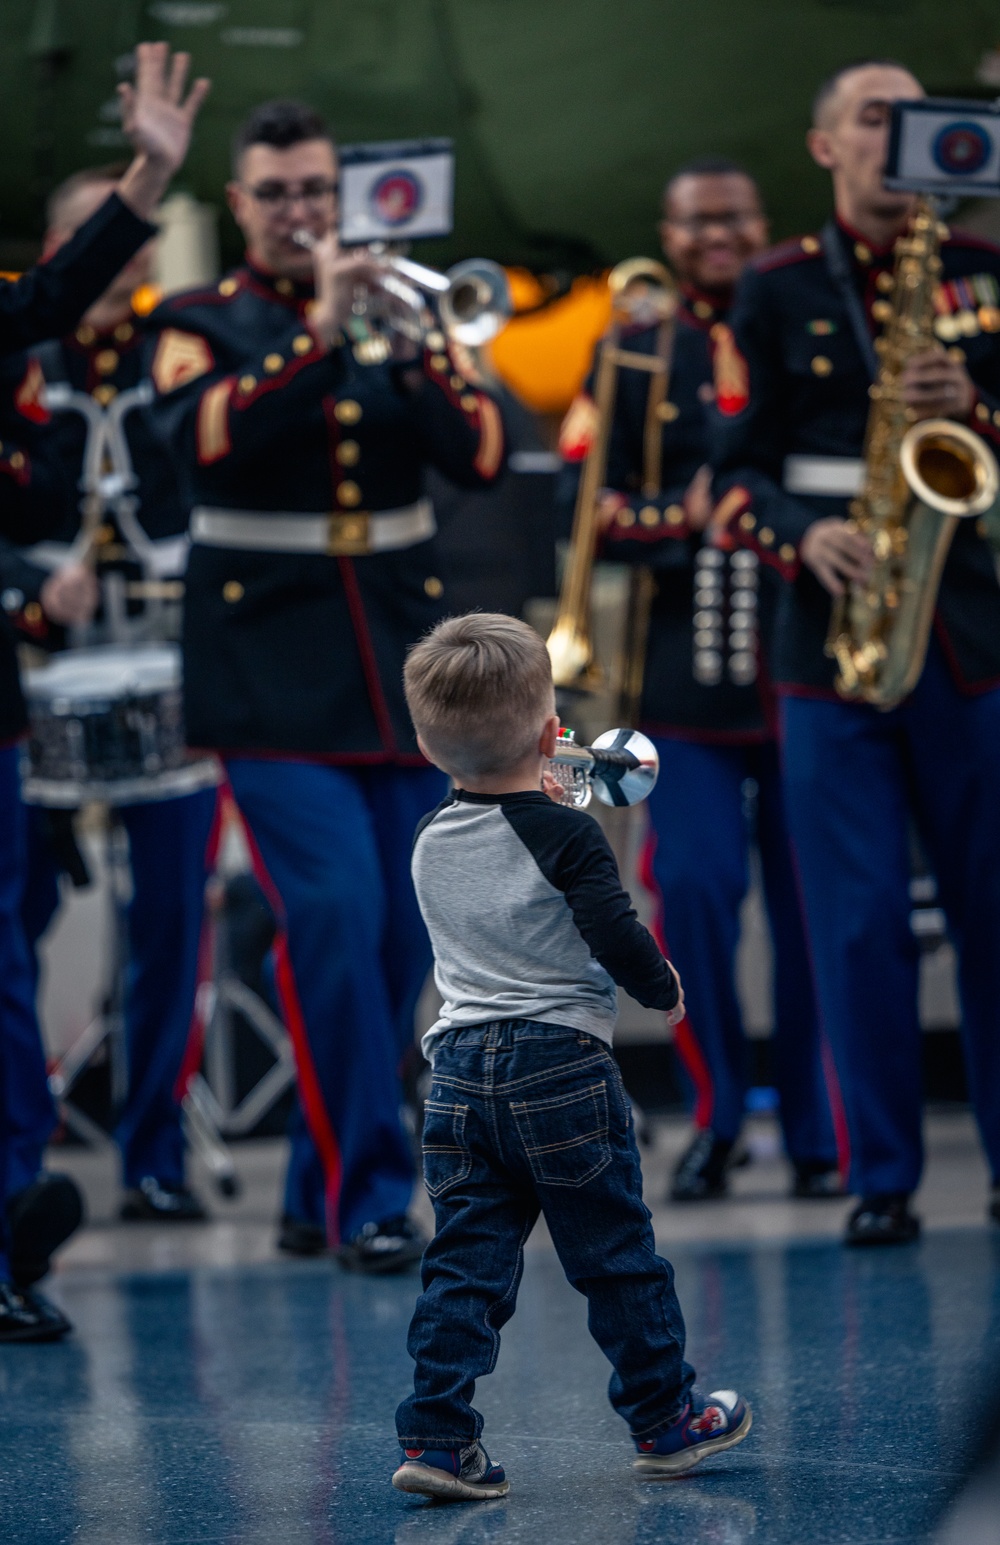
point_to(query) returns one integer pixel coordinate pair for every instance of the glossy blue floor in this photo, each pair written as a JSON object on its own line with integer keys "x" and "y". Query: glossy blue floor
{"x": 253, "y": 1403}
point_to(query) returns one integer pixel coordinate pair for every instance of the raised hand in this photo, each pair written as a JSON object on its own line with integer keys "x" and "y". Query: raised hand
{"x": 158, "y": 119}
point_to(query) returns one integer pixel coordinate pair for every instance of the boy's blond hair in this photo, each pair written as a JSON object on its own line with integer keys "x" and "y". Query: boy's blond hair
{"x": 479, "y": 689}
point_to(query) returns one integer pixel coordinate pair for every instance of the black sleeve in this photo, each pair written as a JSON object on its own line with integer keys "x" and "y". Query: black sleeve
{"x": 573, "y": 854}
{"x": 49, "y": 300}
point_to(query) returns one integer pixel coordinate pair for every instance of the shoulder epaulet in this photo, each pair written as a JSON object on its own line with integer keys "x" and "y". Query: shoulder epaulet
{"x": 959, "y": 238}
{"x": 801, "y": 249}
{"x": 208, "y": 295}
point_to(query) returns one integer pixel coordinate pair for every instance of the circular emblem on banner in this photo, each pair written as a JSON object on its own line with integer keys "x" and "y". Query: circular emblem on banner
{"x": 396, "y": 197}
{"x": 962, "y": 149}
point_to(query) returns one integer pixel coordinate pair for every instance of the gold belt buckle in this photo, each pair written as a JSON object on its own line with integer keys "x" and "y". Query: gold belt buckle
{"x": 347, "y": 536}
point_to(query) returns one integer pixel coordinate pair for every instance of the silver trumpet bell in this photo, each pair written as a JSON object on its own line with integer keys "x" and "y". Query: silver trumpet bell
{"x": 472, "y": 299}
{"x": 621, "y": 768}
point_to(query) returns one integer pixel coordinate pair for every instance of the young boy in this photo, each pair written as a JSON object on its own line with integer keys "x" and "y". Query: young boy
{"x": 531, "y": 930}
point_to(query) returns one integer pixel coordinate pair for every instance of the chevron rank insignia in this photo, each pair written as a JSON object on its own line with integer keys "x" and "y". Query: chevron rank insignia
{"x": 180, "y": 358}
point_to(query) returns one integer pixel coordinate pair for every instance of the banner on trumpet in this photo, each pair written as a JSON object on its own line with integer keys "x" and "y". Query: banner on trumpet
{"x": 396, "y": 190}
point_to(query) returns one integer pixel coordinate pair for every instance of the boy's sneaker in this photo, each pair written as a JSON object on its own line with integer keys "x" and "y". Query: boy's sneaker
{"x": 452, "y": 1474}
{"x": 707, "y": 1425}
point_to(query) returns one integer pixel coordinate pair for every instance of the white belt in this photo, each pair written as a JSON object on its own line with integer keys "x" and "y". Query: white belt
{"x": 837, "y": 476}
{"x": 165, "y": 557}
{"x": 346, "y": 535}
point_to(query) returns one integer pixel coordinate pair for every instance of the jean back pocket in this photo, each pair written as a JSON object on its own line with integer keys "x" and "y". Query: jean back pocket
{"x": 447, "y": 1159}
{"x": 565, "y": 1137}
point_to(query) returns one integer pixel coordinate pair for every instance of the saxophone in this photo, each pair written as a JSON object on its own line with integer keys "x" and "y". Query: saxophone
{"x": 919, "y": 481}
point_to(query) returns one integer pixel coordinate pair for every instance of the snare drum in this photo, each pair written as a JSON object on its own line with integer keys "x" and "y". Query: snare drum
{"x": 106, "y": 724}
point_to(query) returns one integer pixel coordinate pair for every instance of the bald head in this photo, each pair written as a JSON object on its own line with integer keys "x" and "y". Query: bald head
{"x": 850, "y": 140}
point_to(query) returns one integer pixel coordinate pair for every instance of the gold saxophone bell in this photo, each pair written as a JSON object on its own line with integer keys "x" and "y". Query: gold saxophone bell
{"x": 643, "y": 293}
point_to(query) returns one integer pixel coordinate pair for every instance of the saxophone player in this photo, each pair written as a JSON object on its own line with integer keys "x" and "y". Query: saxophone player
{"x": 708, "y": 707}
{"x": 788, "y": 441}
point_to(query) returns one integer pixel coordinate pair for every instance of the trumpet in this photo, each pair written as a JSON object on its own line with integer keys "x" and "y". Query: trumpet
{"x": 621, "y": 768}
{"x": 472, "y": 299}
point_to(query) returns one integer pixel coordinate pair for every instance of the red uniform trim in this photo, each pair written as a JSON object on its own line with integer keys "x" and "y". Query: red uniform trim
{"x": 688, "y": 1050}
{"x": 967, "y": 688}
{"x": 960, "y": 238}
{"x": 786, "y": 252}
{"x": 366, "y": 649}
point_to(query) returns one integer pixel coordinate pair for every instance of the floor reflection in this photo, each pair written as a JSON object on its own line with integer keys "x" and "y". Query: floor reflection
{"x": 255, "y": 1406}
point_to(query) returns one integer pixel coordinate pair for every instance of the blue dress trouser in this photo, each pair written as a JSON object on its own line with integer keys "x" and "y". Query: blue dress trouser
{"x": 18, "y": 1026}
{"x": 855, "y": 778}
{"x": 168, "y": 854}
{"x": 700, "y": 868}
{"x": 333, "y": 851}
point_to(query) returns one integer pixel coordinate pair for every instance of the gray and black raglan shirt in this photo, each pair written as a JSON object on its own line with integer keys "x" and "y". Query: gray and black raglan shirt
{"x": 528, "y": 917}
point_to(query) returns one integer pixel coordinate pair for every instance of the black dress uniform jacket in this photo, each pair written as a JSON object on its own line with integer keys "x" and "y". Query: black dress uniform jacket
{"x": 797, "y": 383}
{"x": 654, "y": 532}
{"x": 302, "y": 653}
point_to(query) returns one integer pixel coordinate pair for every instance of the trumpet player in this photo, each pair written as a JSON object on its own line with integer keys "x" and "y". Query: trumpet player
{"x": 706, "y": 703}
{"x": 312, "y": 571}
{"x": 789, "y": 441}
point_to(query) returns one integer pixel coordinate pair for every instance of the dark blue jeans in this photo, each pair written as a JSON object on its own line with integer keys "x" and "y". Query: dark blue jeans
{"x": 526, "y": 1118}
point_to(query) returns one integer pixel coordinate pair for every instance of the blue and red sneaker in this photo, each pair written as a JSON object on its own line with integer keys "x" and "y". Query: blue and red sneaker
{"x": 707, "y": 1425}
{"x": 453, "y": 1474}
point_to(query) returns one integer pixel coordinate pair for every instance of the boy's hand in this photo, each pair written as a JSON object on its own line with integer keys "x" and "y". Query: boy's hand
{"x": 553, "y": 788}
{"x": 676, "y": 1014}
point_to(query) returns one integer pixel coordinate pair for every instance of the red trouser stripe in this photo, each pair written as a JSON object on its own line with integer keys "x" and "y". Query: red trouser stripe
{"x": 687, "y": 1046}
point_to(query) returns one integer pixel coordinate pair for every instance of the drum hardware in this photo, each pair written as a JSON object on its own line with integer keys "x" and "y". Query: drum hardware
{"x": 621, "y": 768}
{"x": 472, "y": 299}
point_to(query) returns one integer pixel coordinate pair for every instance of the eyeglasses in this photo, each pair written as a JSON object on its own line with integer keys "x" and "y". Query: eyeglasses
{"x": 729, "y": 219}
{"x": 277, "y": 197}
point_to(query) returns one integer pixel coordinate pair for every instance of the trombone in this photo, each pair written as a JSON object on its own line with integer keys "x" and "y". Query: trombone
{"x": 642, "y": 293}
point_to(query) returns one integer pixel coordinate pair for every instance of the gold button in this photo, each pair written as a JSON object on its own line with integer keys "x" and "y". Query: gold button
{"x": 349, "y": 493}
{"x": 439, "y": 362}
{"x": 32, "y": 612}
{"x": 884, "y": 281}
{"x": 247, "y": 384}
{"x": 85, "y": 335}
{"x": 702, "y": 310}
{"x": 786, "y": 552}
{"x": 436, "y": 341}
{"x": 347, "y": 412}
{"x": 228, "y": 286}
{"x": 106, "y": 361}
{"x": 124, "y": 332}
{"x": 668, "y": 411}
{"x": 810, "y": 244}
{"x": 882, "y": 310}
{"x": 284, "y": 286}
{"x": 433, "y": 587}
{"x": 232, "y": 591}
{"x": 675, "y": 515}
{"x": 862, "y": 253}
{"x": 457, "y": 384}
{"x": 649, "y": 515}
{"x": 996, "y": 418}
{"x": 765, "y": 536}
{"x": 982, "y": 412}
{"x": 302, "y": 344}
{"x": 957, "y": 354}
{"x": 470, "y": 402}
{"x": 103, "y": 535}
{"x": 747, "y": 521}
{"x": 273, "y": 363}
{"x": 17, "y": 460}
{"x": 348, "y": 453}
{"x": 104, "y": 394}
{"x": 625, "y": 518}
{"x": 981, "y": 528}
{"x": 821, "y": 366}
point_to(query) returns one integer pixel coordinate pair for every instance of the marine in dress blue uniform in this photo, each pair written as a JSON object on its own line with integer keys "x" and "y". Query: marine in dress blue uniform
{"x": 313, "y": 568}
{"x": 706, "y": 702}
{"x": 788, "y": 445}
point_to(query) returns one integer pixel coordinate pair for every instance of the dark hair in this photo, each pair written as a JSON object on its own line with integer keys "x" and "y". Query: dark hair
{"x": 70, "y": 186}
{"x": 279, "y": 123}
{"x": 707, "y": 166}
{"x": 828, "y": 87}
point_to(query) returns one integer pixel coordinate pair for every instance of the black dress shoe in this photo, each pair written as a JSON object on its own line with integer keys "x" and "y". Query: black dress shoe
{"x": 160, "y": 1201}
{"x": 883, "y": 1220}
{"x": 816, "y": 1181}
{"x": 28, "y": 1317}
{"x": 700, "y": 1175}
{"x": 39, "y": 1219}
{"x": 301, "y": 1238}
{"x": 381, "y": 1248}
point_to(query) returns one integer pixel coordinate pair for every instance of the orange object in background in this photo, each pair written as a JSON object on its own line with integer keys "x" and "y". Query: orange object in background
{"x": 544, "y": 357}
